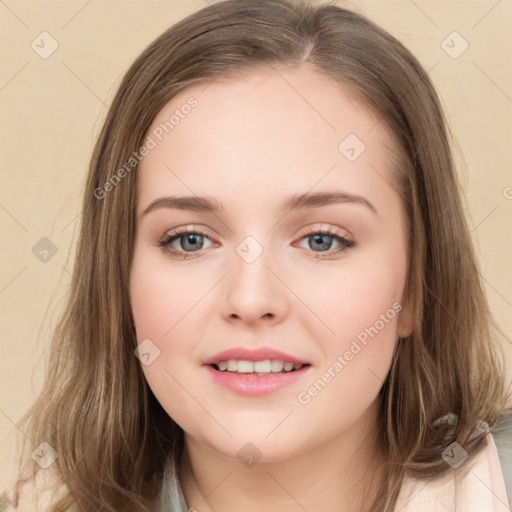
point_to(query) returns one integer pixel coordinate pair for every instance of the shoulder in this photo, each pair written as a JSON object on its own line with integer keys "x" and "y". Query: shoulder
{"x": 502, "y": 434}
{"x": 473, "y": 483}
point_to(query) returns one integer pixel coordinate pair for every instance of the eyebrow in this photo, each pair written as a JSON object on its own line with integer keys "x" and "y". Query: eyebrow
{"x": 307, "y": 201}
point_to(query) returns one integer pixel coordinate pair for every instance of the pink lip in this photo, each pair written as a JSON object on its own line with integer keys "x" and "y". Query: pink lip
{"x": 259, "y": 354}
{"x": 256, "y": 385}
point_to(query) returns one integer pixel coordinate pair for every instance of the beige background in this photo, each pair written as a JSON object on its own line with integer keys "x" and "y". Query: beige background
{"x": 53, "y": 108}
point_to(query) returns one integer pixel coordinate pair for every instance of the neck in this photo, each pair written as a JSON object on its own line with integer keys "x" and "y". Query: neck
{"x": 341, "y": 475}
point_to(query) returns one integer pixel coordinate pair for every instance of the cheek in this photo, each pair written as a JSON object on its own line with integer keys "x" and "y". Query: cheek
{"x": 358, "y": 355}
{"x": 362, "y": 295}
{"x": 162, "y": 296}
{"x": 359, "y": 306}
{"x": 166, "y": 306}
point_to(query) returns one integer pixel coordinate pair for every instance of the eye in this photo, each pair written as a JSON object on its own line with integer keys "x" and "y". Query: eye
{"x": 189, "y": 240}
{"x": 185, "y": 242}
{"x": 323, "y": 239}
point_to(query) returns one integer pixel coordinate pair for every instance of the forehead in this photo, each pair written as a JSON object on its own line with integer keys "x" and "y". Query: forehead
{"x": 278, "y": 128}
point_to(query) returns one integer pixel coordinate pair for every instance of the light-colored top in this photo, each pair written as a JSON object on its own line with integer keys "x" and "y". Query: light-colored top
{"x": 477, "y": 485}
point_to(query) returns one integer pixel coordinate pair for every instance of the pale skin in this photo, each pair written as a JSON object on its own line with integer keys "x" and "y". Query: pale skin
{"x": 250, "y": 143}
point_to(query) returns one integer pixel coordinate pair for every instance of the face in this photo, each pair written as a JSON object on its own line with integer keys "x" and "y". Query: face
{"x": 319, "y": 278}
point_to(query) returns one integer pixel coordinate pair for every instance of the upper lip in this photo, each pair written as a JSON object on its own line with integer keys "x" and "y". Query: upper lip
{"x": 259, "y": 354}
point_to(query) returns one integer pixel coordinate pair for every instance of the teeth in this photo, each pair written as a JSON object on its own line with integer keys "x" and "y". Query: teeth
{"x": 261, "y": 366}
{"x": 244, "y": 366}
{"x": 266, "y": 366}
{"x": 277, "y": 366}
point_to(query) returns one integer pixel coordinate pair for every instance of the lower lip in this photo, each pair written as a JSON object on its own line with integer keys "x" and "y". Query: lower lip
{"x": 256, "y": 385}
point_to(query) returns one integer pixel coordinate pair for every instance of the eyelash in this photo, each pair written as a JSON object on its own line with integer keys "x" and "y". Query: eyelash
{"x": 166, "y": 241}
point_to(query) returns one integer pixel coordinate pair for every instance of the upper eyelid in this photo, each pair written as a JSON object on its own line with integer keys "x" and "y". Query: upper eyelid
{"x": 310, "y": 230}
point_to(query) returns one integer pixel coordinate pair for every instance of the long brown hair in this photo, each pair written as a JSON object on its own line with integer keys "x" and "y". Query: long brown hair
{"x": 115, "y": 442}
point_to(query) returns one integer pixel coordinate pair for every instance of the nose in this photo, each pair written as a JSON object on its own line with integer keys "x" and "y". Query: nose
{"x": 253, "y": 292}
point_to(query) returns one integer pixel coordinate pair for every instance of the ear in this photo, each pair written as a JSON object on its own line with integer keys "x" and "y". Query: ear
{"x": 406, "y": 318}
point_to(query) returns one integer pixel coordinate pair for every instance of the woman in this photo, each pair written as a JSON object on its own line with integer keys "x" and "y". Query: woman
{"x": 276, "y": 303}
